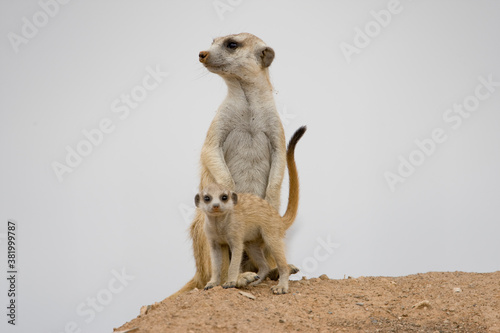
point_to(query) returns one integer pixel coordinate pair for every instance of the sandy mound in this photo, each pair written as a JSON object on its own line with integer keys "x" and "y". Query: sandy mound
{"x": 431, "y": 302}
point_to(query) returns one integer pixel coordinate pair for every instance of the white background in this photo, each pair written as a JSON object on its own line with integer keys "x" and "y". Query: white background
{"x": 127, "y": 205}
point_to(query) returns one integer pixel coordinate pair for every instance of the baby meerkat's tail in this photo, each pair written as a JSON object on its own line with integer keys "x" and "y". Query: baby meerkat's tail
{"x": 293, "y": 192}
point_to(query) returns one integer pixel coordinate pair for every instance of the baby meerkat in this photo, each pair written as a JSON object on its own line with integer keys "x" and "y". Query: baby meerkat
{"x": 247, "y": 222}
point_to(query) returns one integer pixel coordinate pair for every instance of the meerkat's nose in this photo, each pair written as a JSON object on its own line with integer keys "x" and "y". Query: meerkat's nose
{"x": 203, "y": 56}
{"x": 215, "y": 205}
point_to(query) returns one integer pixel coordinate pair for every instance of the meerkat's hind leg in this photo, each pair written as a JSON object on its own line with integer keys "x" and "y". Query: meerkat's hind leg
{"x": 277, "y": 248}
{"x": 274, "y": 273}
{"x": 282, "y": 286}
{"x": 256, "y": 253}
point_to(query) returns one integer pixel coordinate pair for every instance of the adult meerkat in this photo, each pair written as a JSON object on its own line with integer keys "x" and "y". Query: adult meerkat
{"x": 245, "y": 147}
{"x": 247, "y": 222}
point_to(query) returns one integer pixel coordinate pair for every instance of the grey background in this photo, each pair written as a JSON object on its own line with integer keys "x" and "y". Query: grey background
{"x": 128, "y": 204}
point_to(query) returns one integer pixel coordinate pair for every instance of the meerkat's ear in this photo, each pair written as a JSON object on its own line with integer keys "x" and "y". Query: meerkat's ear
{"x": 197, "y": 200}
{"x": 234, "y": 197}
{"x": 266, "y": 56}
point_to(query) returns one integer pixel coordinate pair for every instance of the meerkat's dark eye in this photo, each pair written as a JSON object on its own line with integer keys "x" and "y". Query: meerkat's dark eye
{"x": 206, "y": 198}
{"x": 231, "y": 45}
{"x": 223, "y": 197}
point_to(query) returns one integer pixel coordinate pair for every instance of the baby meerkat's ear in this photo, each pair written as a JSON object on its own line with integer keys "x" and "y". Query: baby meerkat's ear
{"x": 197, "y": 200}
{"x": 234, "y": 197}
{"x": 266, "y": 56}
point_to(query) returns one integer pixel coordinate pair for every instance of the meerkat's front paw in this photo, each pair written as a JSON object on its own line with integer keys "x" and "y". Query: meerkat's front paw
{"x": 261, "y": 277}
{"x": 244, "y": 279}
{"x": 278, "y": 290}
{"x": 229, "y": 284}
{"x": 210, "y": 285}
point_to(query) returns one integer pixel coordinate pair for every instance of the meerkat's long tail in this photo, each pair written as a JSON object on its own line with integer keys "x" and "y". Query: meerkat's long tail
{"x": 293, "y": 192}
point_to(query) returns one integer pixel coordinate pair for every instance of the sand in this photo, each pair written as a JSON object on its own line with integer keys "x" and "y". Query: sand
{"x": 430, "y": 302}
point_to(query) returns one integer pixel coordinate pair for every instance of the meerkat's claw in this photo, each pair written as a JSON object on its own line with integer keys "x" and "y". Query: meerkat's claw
{"x": 210, "y": 285}
{"x": 230, "y": 284}
{"x": 293, "y": 269}
{"x": 261, "y": 277}
{"x": 275, "y": 275}
{"x": 279, "y": 290}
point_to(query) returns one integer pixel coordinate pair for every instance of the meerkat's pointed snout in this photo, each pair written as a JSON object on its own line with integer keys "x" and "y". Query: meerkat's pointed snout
{"x": 203, "y": 56}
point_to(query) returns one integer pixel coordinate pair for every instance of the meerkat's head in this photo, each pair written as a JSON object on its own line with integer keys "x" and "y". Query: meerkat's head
{"x": 215, "y": 200}
{"x": 242, "y": 55}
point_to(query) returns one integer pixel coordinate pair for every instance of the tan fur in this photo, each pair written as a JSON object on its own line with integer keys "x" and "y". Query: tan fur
{"x": 244, "y": 149}
{"x": 247, "y": 222}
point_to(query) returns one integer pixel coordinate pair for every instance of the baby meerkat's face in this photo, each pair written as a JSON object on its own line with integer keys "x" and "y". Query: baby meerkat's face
{"x": 215, "y": 200}
{"x": 238, "y": 55}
